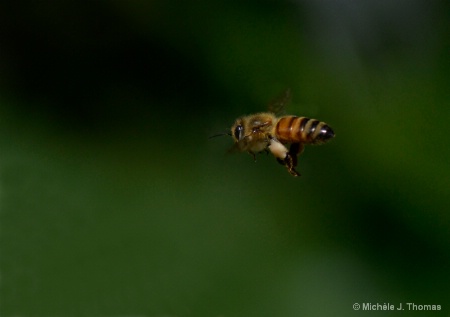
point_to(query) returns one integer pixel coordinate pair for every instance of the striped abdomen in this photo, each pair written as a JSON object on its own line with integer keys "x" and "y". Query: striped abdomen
{"x": 294, "y": 129}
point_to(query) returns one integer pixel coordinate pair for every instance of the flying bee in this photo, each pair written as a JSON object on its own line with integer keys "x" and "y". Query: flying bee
{"x": 266, "y": 132}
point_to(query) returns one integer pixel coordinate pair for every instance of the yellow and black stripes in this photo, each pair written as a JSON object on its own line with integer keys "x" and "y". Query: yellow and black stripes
{"x": 293, "y": 129}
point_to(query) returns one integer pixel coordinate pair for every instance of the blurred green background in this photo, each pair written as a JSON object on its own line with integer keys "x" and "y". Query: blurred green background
{"x": 114, "y": 202}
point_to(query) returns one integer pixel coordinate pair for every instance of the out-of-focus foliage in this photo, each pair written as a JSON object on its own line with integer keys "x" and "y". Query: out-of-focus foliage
{"x": 113, "y": 201}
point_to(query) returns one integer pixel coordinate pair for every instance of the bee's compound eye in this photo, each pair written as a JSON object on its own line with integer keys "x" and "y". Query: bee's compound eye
{"x": 238, "y": 132}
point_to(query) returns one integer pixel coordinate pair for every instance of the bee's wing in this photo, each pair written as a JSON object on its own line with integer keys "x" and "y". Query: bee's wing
{"x": 278, "y": 104}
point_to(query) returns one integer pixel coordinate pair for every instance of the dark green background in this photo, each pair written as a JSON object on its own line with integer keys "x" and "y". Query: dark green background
{"x": 114, "y": 202}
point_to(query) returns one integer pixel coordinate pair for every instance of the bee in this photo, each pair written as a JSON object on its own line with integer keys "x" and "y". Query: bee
{"x": 265, "y": 132}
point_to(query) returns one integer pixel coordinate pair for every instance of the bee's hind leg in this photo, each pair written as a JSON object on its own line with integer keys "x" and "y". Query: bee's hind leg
{"x": 289, "y": 163}
{"x": 285, "y": 157}
{"x": 291, "y": 159}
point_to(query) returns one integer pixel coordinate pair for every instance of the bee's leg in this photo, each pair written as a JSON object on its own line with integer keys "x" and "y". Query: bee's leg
{"x": 283, "y": 156}
{"x": 252, "y": 154}
{"x": 294, "y": 151}
{"x": 289, "y": 163}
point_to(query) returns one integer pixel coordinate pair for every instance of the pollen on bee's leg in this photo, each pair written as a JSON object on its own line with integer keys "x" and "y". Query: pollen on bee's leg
{"x": 278, "y": 149}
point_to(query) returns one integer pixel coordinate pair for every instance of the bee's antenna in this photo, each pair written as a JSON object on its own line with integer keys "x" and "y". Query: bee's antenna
{"x": 219, "y": 134}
